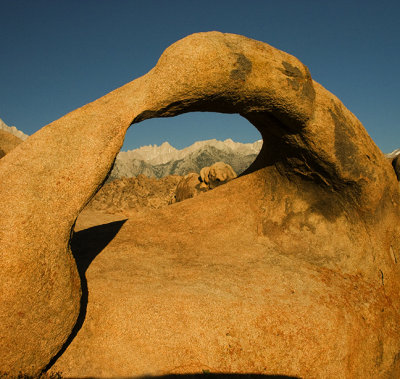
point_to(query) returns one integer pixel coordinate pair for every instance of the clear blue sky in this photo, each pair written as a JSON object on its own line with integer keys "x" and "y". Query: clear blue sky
{"x": 57, "y": 55}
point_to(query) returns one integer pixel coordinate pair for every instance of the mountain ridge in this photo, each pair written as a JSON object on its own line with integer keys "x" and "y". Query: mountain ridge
{"x": 159, "y": 161}
{"x": 165, "y": 152}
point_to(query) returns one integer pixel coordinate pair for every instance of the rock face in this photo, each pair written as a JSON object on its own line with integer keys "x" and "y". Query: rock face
{"x": 209, "y": 178}
{"x": 219, "y": 173}
{"x": 189, "y": 186}
{"x": 291, "y": 269}
{"x": 132, "y": 195}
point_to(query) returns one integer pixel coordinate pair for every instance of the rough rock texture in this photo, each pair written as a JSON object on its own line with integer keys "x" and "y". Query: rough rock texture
{"x": 210, "y": 177}
{"x": 132, "y": 195}
{"x": 189, "y": 186}
{"x": 7, "y": 142}
{"x": 217, "y": 174}
{"x": 291, "y": 269}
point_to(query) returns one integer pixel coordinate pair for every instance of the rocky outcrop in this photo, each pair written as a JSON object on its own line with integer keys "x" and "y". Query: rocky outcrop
{"x": 219, "y": 173}
{"x": 189, "y": 186}
{"x": 290, "y": 269}
{"x": 210, "y": 177}
{"x": 132, "y": 195}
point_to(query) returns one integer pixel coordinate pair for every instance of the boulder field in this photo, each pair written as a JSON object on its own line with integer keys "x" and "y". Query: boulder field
{"x": 291, "y": 269}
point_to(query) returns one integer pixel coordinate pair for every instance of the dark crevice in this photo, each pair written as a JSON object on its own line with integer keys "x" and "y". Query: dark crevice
{"x": 396, "y": 166}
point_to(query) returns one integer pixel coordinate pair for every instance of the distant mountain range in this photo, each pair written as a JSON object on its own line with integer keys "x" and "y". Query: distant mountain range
{"x": 159, "y": 161}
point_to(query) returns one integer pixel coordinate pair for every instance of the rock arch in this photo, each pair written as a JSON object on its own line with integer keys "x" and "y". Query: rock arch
{"x": 318, "y": 175}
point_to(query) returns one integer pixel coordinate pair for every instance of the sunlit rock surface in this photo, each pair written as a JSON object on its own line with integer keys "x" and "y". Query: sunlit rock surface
{"x": 291, "y": 269}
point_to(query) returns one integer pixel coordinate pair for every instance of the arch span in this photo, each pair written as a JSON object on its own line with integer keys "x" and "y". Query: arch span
{"x": 310, "y": 140}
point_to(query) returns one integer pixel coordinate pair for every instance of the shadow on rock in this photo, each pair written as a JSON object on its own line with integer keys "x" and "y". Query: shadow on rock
{"x": 88, "y": 243}
{"x": 85, "y": 246}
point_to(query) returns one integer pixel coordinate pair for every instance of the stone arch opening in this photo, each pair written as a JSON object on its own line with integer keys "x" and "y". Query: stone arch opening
{"x": 206, "y": 149}
{"x": 344, "y": 188}
{"x": 279, "y": 133}
{"x": 189, "y": 142}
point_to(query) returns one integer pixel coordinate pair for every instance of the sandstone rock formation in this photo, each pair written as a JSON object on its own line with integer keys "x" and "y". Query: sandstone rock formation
{"x": 209, "y": 178}
{"x": 291, "y": 269}
{"x": 132, "y": 195}
{"x": 189, "y": 186}
{"x": 219, "y": 173}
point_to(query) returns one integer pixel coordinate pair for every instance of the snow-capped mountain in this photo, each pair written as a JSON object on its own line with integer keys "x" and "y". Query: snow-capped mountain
{"x": 159, "y": 161}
